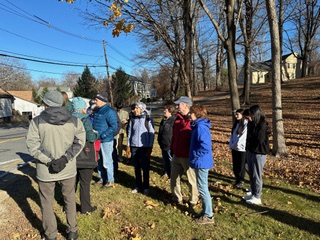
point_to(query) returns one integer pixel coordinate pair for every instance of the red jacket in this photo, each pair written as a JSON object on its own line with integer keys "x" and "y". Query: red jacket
{"x": 180, "y": 142}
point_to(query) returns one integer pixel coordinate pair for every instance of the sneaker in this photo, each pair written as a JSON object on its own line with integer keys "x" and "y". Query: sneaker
{"x": 205, "y": 220}
{"x": 254, "y": 200}
{"x": 108, "y": 185}
{"x": 136, "y": 190}
{"x": 100, "y": 182}
{"x": 146, "y": 191}
{"x": 94, "y": 208}
{"x": 239, "y": 185}
{"x": 247, "y": 197}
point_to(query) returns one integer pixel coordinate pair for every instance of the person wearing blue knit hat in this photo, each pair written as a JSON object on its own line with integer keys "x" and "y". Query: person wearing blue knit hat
{"x": 85, "y": 162}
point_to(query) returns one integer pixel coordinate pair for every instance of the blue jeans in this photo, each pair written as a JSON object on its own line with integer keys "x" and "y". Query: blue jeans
{"x": 167, "y": 158}
{"x": 105, "y": 165}
{"x": 203, "y": 188}
{"x": 140, "y": 161}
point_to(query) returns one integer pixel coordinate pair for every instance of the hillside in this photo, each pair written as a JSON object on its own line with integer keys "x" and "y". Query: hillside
{"x": 301, "y": 119}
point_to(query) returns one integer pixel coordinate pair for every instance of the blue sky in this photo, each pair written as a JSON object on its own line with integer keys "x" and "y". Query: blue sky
{"x": 25, "y": 32}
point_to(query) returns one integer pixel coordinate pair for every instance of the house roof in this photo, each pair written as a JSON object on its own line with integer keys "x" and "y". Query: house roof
{"x": 261, "y": 66}
{"x": 5, "y": 94}
{"x": 26, "y": 95}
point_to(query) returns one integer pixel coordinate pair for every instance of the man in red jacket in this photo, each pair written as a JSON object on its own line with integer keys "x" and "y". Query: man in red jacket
{"x": 180, "y": 146}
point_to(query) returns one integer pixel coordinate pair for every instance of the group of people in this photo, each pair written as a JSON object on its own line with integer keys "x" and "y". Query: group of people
{"x": 249, "y": 143}
{"x": 63, "y": 140}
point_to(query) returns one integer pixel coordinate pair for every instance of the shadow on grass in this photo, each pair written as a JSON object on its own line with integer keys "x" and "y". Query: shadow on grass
{"x": 278, "y": 215}
{"x": 20, "y": 189}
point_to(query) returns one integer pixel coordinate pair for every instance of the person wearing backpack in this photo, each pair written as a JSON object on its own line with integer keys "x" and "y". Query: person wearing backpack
{"x": 140, "y": 143}
{"x": 105, "y": 121}
{"x": 86, "y": 162}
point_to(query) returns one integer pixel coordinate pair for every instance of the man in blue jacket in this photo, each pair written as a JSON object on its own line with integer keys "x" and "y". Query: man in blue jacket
{"x": 106, "y": 123}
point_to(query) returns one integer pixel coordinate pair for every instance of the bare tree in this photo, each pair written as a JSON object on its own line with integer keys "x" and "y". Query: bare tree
{"x": 13, "y": 76}
{"x": 250, "y": 25}
{"x": 306, "y": 21}
{"x": 229, "y": 45}
{"x": 279, "y": 145}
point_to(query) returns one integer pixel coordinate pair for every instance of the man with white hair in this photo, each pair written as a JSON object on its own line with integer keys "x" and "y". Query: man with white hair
{"x": 180, "y": 145}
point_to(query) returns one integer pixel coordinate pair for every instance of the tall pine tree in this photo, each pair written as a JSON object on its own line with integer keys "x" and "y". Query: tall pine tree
{"x": 121, "y": 87}
{"x": 86, "y": 86}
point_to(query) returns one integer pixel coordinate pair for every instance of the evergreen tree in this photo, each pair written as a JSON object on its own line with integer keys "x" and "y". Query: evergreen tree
{"x": 86, "y": 86}
{"x": 121, "y": 86}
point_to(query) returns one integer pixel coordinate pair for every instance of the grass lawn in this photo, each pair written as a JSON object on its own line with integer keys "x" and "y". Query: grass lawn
{"x": 291, "y": 201}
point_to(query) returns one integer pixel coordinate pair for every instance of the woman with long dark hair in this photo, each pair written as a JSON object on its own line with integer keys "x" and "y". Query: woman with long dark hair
{"x": 257, "y": 149}
{"x": 237, "y": 144}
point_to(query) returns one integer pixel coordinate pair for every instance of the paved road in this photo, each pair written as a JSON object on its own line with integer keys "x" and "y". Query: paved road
{"x": 13, "y": 150}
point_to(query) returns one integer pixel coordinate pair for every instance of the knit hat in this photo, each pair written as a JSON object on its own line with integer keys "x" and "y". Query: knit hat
{"x": 78, "y": 104}
{"x": 53, "y": 98}
{"x": 102, "y": 96}
{"x": 184, "y": 99}
{"x": 142, "y": 106}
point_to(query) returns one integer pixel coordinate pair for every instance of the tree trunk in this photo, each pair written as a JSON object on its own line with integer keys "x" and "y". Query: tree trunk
{"x": 279, "y": 146}
{"x": 247, "y": 76}
{"x": 219, "y": 65}
{"x": 187, "y": 26}
{"x": 231, "y": 53}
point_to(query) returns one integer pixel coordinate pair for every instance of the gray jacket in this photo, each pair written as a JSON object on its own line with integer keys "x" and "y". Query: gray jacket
{"x": 52, "y": 134}
{"x": 140, "y": 131}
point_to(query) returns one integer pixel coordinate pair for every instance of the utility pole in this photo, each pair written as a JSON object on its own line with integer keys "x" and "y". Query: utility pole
{"x": 108, "y": 75}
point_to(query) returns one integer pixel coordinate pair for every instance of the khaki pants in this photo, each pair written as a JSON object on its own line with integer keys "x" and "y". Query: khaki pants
{"x": 180, "y": 166}
{"x": 120, "y": 144}
{"x": 49, "y": 221}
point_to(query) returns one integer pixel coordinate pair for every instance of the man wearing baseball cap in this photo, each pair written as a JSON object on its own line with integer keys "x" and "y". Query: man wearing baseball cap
{"x": 180, "y": 145}
{"x": 105, "y": 121}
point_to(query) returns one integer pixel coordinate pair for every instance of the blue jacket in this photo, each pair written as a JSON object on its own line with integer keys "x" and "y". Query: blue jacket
{"x": 105, "y": 121}
{"x": 200, "y": 154}
{"x": 138, "y": 134}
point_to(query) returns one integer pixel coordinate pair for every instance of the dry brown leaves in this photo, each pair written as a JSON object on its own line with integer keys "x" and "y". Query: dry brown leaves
{"x": 301, "y": 114}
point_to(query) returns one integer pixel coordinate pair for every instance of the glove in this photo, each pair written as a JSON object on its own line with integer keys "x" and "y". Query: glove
{"x": 57, "y": 165}
{"x": 149, "y": 151}
{"x": 128, "y": 153}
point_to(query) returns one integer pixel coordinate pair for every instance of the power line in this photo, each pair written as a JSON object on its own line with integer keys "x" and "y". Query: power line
{"x": 46, "y": 23}
{"x": 53, "y": 63}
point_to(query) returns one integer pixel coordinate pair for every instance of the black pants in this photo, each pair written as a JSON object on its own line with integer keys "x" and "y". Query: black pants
{"x": 238, "y": 162}
{"x": 84, "y": 176}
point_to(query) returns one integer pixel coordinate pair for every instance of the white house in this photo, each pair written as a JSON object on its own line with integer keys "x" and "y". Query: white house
{"x": 6, "y": 100}
{"x": 141, "y": 88}
{"x": 261, "y": 71}
{"x": 24, "y": 103}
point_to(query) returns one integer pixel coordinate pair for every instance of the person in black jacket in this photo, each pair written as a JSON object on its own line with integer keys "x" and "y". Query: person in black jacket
{"x": 257, "y": 149}
{"x": 86, "y": 160}
{"x": 164, "y": 138}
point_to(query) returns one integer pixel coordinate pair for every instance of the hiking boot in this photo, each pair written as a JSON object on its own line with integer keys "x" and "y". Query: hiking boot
{"x": 247, "y": 197}
{"x": 254, "y": 200}
{"x": 205, "y": 220}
